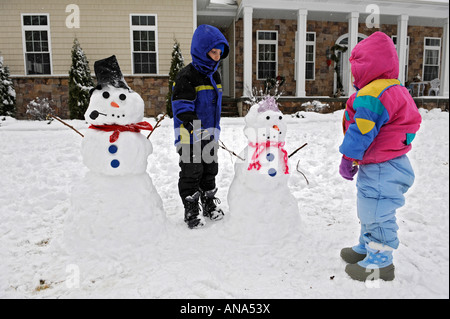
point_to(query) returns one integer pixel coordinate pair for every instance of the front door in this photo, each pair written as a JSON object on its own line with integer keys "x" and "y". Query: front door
{"x": 344, "y": 64}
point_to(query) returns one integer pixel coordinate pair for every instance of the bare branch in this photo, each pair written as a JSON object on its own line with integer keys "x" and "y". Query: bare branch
{"x": 298, "y": 149}
{"x": 157, "y": 125}
{"x": 307, "y": 182}
{"x": 229, "y": 151}
{"x": 58, "y": 119}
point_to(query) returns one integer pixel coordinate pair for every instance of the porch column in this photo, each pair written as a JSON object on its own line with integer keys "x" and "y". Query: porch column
{"x": 301, "y": 52}
{"x": 353, "y": 18}
{"x": 443, "y": 89}
{"x": 402, "y": 35}
{"x": 248, "y": 45}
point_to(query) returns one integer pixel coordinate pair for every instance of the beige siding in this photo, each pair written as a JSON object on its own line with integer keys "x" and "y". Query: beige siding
{"x": 104, "y": 30}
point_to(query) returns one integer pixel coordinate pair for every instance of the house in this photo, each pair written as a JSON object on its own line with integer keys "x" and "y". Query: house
{"x": 294, "y": 39}
{"x": 36, "y": 39}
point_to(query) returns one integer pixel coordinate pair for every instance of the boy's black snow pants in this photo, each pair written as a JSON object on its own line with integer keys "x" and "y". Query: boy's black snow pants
{"x": 199, "y": 167}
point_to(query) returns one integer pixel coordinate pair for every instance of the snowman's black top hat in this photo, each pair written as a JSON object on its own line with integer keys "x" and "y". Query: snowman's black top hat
{"x": 108, "y": 73}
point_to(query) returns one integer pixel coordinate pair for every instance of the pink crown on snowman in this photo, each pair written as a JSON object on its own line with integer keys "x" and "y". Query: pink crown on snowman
{"x": 268, "y": 104}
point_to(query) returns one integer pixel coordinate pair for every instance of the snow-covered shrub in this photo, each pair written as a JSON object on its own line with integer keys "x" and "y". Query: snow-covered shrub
{"x": 39, "y": 109}
{"x": 80, "y": 82}
{"x": 7, "y": 92}
{"x": 315, "y": 106}
{"x": 176, "y": 65}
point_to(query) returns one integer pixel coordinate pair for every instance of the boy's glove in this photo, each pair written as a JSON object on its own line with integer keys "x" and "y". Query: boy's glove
{"x": 188, "y": 119}
{"x": 346, "y": 169}
{"x": 188, "y": 116}
{"x": 198, "y": 133}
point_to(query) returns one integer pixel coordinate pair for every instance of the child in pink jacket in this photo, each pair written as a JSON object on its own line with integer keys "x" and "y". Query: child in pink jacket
{"x": 380, "y": 122}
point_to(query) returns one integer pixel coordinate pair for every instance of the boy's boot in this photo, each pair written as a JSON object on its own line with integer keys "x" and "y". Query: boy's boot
{"x": 377, "y": 264}
{"x": 210, "y": 208}
{"x": 352, "y": 255}
{"x": 192, "y": 215}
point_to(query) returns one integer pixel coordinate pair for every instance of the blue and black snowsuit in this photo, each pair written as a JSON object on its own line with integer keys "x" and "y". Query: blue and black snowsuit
{"x": 197, "y": 105}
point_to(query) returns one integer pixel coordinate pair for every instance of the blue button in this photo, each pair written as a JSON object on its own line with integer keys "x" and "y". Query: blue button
{"x": 272, "y": 172}
{"x": 270, "y": 157}
{"x": 115, "y": 163}
{"x": 112, "y": 149}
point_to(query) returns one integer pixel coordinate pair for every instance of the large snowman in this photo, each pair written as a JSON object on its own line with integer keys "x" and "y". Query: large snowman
{"x": 262, "y": 208}
{"x": 115, "y": 207}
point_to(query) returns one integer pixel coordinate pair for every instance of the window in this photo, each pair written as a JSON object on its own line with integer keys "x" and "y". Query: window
{"x": 394, "y": 39}
{"x": 310, "y": 56}
{"x": 144, "y": 44}
{"x": 267, "y": 55}
{"x": 431, "y": 58}
{"x": 36, "y": 43}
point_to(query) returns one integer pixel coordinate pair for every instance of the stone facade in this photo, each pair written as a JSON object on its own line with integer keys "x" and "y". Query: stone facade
{"x": 153, "y": 91}
{"x": 55, "y": 89}
{"x": 292, "y": 105}
{"x": 326, "y": 35}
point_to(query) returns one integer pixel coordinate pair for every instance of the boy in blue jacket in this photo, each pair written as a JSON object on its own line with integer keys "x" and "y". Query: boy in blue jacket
{"x": 197, "y": 105}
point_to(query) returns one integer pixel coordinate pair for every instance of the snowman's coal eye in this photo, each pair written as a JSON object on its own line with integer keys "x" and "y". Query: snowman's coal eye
{"x": 105, "y": 95}
{"x": 122, "y": 97}
{"x": 268, "y": 118}
{"x": 280, "y": 117}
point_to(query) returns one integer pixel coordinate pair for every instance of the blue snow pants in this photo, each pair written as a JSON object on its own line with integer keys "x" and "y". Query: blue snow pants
{"x": 381, "y": 188}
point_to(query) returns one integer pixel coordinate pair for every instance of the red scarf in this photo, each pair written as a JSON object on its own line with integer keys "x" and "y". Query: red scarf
{"x": 135, "y": 127}
{"x": 259, "y": 149}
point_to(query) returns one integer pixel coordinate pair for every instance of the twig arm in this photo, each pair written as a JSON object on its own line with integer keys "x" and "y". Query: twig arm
{"x": 58, "y": 119}
{"x": 222, "y": 145}
{"x": 307, "y": 182}
{"x": 157, "y": 125}
{"x": 298, "y": 149}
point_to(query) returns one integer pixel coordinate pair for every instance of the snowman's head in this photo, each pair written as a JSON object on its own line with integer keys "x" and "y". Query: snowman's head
{"x": 111, "y": 105}
{"x": 264, "y": 122}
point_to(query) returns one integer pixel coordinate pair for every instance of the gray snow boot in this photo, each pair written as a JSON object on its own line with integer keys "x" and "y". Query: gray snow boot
{"x": 350, "y": 256}
{"x": 210, "y": 208}
{"x": 192, "y": 215}
{"x": 357, "y": 272}
{"x": 378, "y": 264}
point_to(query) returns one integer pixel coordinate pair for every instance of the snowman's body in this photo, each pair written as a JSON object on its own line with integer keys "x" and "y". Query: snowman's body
{"x": 125, "y": 156}
{"x": 261, "y": 205}
{"x": 115, "y": 207}
{"x": 271, "y": 173}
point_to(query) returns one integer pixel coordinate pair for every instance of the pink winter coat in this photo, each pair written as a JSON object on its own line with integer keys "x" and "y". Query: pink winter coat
{"x": 381, "y": 118}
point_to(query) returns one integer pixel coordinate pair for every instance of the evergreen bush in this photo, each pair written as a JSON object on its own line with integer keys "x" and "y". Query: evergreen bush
{"x": 7, "y": 92}
{"x": 80, "y": 82}
{"x": 175, "y": 67}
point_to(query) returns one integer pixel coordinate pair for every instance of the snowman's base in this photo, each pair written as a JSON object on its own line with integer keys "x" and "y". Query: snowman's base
{"x": 262, "y": 218}
{"x": 113, "y": 215}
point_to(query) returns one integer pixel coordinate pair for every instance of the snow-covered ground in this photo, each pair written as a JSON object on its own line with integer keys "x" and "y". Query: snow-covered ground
{"x": 40, "y": 164}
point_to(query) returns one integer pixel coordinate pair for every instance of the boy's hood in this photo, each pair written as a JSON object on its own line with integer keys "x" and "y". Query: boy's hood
{"x": 374, "y": 58}
{"x": 205, "y": 39}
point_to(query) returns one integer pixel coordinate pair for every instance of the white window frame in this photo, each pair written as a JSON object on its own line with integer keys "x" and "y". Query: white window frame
{"x": 431, "y": 48}
{"x": 310, "y": 43}
{"x": 273, "y": 42}
{"x": 36, "y": 28}
{"x": 313, "y": 44}
{"x": 395, "y": 39}
{"x": 144, "y": 28}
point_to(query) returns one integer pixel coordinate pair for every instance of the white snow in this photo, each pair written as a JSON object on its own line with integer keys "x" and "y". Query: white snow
{"x": 40, "y": 163}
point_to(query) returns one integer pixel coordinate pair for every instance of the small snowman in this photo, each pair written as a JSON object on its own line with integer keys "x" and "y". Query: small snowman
{"x": 261, "y": 205}
{"x": 115, "y": 207}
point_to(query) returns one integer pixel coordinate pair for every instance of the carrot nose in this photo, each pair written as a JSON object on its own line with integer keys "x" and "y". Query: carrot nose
{"x": 114, "y": 104}
{"x": 276, "y": 127}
